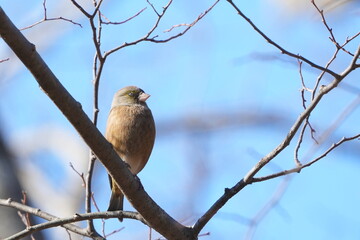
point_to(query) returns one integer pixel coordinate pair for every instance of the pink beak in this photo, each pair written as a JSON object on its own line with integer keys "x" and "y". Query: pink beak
{"x": 143, "y": 97}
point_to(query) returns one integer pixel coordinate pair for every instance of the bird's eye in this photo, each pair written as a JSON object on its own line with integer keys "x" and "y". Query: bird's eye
{"x": 132, "y": 94}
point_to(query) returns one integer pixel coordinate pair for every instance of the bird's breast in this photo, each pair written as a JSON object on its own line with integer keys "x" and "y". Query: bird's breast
{"x": 131, "y": 131}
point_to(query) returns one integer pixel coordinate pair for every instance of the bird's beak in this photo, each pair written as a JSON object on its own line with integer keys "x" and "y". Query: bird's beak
{"x": 143, "y": 97}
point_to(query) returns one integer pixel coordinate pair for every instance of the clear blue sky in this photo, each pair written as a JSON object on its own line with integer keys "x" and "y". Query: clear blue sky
{"x": 222, "y": 73}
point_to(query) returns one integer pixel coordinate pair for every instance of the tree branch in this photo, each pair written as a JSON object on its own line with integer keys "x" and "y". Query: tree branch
{"x": 44, "y": 215}
{"x": 228, "y": 194}
{"x": 282, "y": 50}
{"x": 65, "y": 222}
{"x": 148, "y": 38}
{"x": 299, "y": 168}
{"x": 303, "y": 116}
{"x": 249, "y": 177}
{"x": 156, "y": 217}
{"x": 45, "y": 18}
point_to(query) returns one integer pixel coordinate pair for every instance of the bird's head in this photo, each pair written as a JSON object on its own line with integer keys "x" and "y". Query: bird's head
{"x": 130, "y": 95}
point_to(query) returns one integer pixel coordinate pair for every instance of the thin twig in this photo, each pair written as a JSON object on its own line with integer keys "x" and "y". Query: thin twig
{"x": 298, "y": 169}
{"x": 303, "y": 116}
{"x": 329, "y": 29}
{"x": 25, "y": 218}
{"x": 97, "y": 7}
{"x": 165, "y": 8}
{"x": 98, "y": 57}
{"x": 4, "y": 60}
{"x": 298, "y": 145}
{"x": 282, "y": 50}
{"x": 108, "y": 22}
{"x": 81, "y": 175}
{"x": 88, "y": 194}
{"x": 81, "y": 9}
{"x": 189, "y": 26}
{"x": 249, "y": 177}
{"x": 319, "y": 78}
{"x": 113, "y": 232}
{"x": 349, "y": 39}
{"x": 177, "y": 26}
{"x": 154, "y": 38}
{"x": 321, "y": 12}
{"x": 37, "y": 212}
{"x": 152, "y": 6}
{"x": 65, "y": 222}
{"x": 352, "y": 106}
{"x": 302, "y": 131}
{"x": 45, "y": 18}
{"x": 160, "y": 220}
{"x": 98, "y": 209}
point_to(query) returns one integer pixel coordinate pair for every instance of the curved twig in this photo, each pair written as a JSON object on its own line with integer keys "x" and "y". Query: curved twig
{"x": 282, "y": 50}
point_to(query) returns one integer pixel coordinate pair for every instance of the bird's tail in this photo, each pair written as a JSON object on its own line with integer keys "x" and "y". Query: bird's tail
{"x": 116, "y": 203}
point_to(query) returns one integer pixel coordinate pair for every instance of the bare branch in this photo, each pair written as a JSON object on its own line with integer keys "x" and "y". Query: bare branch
{"x": 282, "y": 50}
{"x": 321, "y": 12}
{"x": 4, "y": 60}
{"x": 25, "y": 218}
{"x": 155, "y": 216}
{"x": 87, "y": 185}
{"x": 45, "y": 18}
{"x": 81, "y": 175}
{"x": 349, "y": 39}
{"x": 97, "y": 74}
{"x": 353, "y": 65}
{"x": 81, "y": 9}
{"x": 299, "y": 168}
{"x": 152, "y": 6}
{"x": 249, "y": 177}
{"x": 154, "y": 38}
{"x": 39, "y": 213}
{"x": 146, "y": 36}
{"x": 228, "y": 194}
{"x": 303, "y": 116}
{"x": 332, "y": 36}
{"x": 184, "y": 24}
{"x": 97, "y": 7}
{"x": 298, "y": 145}
{"x": 65, "y": 222}
{"x": 88, "y": 191}
{"x": 107, "y": 22}
{"x": 113, "y": 232}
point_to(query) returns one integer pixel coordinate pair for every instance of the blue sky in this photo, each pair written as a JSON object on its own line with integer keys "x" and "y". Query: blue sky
{"x": 222, "y": 73}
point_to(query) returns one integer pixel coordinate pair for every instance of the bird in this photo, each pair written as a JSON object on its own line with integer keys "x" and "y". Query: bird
{"x": 131, "y": 131}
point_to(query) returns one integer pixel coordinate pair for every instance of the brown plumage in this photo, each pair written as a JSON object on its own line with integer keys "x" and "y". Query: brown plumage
{"x": 131, "y": 131}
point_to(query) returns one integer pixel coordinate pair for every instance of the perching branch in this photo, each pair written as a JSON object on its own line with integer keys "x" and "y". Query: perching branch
{"x": 155, "y": 217}
{"x": 100, "y": 59}
{"x": 151, "y": 213}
